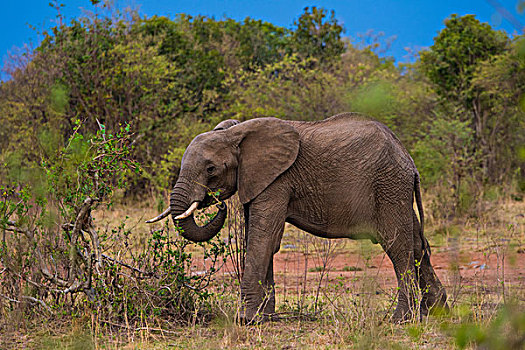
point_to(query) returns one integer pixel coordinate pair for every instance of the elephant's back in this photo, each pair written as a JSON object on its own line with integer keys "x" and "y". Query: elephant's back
{"x": 353, "y": 135}
{"x": 348, "y": 120}
{"x": 346, "y": 165}
{"x": 337, "y": 130}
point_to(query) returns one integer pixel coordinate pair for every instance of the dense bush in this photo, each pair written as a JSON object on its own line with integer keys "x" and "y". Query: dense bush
{"x": 54, "y": 257}
{"x": 172, "y": 79}
{"x": 459, "y": 109}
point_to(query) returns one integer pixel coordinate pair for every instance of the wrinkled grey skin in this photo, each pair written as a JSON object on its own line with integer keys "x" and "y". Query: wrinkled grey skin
{"x": 344, "y": 177}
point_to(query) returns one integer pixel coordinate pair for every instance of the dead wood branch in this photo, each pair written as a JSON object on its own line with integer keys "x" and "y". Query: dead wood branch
{"x": 29, "y": 299}
{"x": 95, "y": 242}
{"x": 80, "y": 222}
{"x": 146, "y": 273}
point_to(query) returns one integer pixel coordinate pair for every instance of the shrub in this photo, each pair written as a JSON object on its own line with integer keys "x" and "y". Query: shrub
{"x": 53, "y": 256}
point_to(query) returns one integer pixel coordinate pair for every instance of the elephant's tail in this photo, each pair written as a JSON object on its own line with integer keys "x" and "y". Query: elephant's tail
{"x": 417, "y": 193}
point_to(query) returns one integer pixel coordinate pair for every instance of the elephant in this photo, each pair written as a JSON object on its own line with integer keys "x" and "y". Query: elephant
{"x": 347, "y": 176}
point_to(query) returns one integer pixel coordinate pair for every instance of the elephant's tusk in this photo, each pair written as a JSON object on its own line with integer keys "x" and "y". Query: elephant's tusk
{"x": 160, "y": 217}
{"x": 188, "y": 212}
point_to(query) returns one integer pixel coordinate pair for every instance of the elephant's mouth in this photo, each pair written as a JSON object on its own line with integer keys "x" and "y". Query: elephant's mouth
{"x": 197, "y": 205}
{"x": 212, "y": 198}
{"x": 207, "y": 201}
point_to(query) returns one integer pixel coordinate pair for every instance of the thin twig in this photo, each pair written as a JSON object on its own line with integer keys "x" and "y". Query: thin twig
{"x": 31, "y": 299}
{"x": 138, "y": 329}
{"x": 79, "y": 224}
{"x": 147, "y": 273}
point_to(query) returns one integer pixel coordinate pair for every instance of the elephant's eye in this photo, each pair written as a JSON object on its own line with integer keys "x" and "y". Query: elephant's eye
{"x": 210, "y": 169}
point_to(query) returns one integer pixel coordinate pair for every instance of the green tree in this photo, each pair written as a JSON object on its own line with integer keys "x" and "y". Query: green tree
{"x": 501, "y": 86}
{"x": 451, "y": 65}
{"x": 452, "y": 60}
{"x": 317, "y": 35}
{"x": 445, "y": 161}
{"x": 254, "y": 43}
{"x": 293, "y": 88}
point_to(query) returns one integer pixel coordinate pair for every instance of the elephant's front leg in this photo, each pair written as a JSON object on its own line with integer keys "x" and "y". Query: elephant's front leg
{"x": 265, "y": 228}
{"x": 269, "y": 294}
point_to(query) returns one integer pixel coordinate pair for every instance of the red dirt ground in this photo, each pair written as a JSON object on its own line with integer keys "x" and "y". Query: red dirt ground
{"x": 471, "y": 263}
{"x": 475, "y": 267}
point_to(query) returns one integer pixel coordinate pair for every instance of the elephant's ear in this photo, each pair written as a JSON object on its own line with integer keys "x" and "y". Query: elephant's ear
{"x": 267, "y": 147}
{"x": 226, "y": 124}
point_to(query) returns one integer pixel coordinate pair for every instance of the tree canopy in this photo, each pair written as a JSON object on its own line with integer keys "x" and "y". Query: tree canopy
{"x": 458, "y": 109}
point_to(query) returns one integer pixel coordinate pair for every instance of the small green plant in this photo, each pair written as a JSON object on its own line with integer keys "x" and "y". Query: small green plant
{"x": 352, "y": 268}
{"x": 505, "y": 331}
{"x": 316, "y": 269}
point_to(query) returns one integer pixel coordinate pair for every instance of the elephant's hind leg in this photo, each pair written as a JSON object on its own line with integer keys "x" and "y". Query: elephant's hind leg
{"x": 432, "y": 291}
{"x": 395, "y": 231}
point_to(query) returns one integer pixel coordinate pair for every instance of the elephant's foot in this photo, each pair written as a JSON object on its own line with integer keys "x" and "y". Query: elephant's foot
{"x": 402, "y": 315}
{"x": 264, "y": 312}
{"x": 249, "y": 318}
{"x": 434, "y": 303}
{"x": 406, "y": 309}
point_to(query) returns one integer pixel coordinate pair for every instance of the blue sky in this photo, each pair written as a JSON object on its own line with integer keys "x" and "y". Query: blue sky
{"x": 413, "y": 23}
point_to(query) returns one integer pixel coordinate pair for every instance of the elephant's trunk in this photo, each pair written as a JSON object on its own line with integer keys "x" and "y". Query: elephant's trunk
{"x": 179, "y": 204}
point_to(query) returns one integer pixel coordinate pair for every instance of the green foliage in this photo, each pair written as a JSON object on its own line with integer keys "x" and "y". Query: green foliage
{"x": 318, "y": 36}
{"x": 451, "y": 61}
{"x": 446, "y": 143}
{"x": 505, "y": 331}
{"x": 175, "y": 291}
{"x": 478, "y": 75}
{"x": 59, "y": 98}
{"x": 172, "y": 79}
{"x": 260, "y": 43}
{"x": 90, "y": 168}
{"x": 445, "y": 161}
{"x": 169, "y": 78}
{"x": 374, "y": 99}
{"x": 501, "y": 85}
{"x": 290, "y": 89}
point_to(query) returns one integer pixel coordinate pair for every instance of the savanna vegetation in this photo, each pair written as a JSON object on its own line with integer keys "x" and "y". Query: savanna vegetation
{"x": 95, "y": 120}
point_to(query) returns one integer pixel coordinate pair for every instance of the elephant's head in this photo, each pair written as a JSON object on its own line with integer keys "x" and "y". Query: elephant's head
{"x": 245, "y": 157}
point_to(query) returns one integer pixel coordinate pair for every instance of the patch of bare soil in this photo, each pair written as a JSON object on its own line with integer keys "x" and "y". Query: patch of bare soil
{"x": 473, "y": 267}
{"x": 493, "y": 263}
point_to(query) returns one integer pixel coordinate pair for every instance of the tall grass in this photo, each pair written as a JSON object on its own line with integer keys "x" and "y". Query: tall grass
{"x": 329, "y": 293}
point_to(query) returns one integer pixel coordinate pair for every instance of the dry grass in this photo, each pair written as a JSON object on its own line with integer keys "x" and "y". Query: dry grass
{"x": 332, "y": 295}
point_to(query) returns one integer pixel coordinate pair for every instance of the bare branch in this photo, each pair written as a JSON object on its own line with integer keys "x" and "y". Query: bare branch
{"x": 75, "y": 287}
{"x": 146, "y": 273}
{"x": 95, "y": 242}
{"x": 79, "y": 223}
{"x": 140, "y": 328}
{"x": 10, "y": 299}
{"x": 48, "y": 275}
{"x": 37, "y": 301}
{"x": 30, "y": 299}
{"x": 101, "y": 127}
